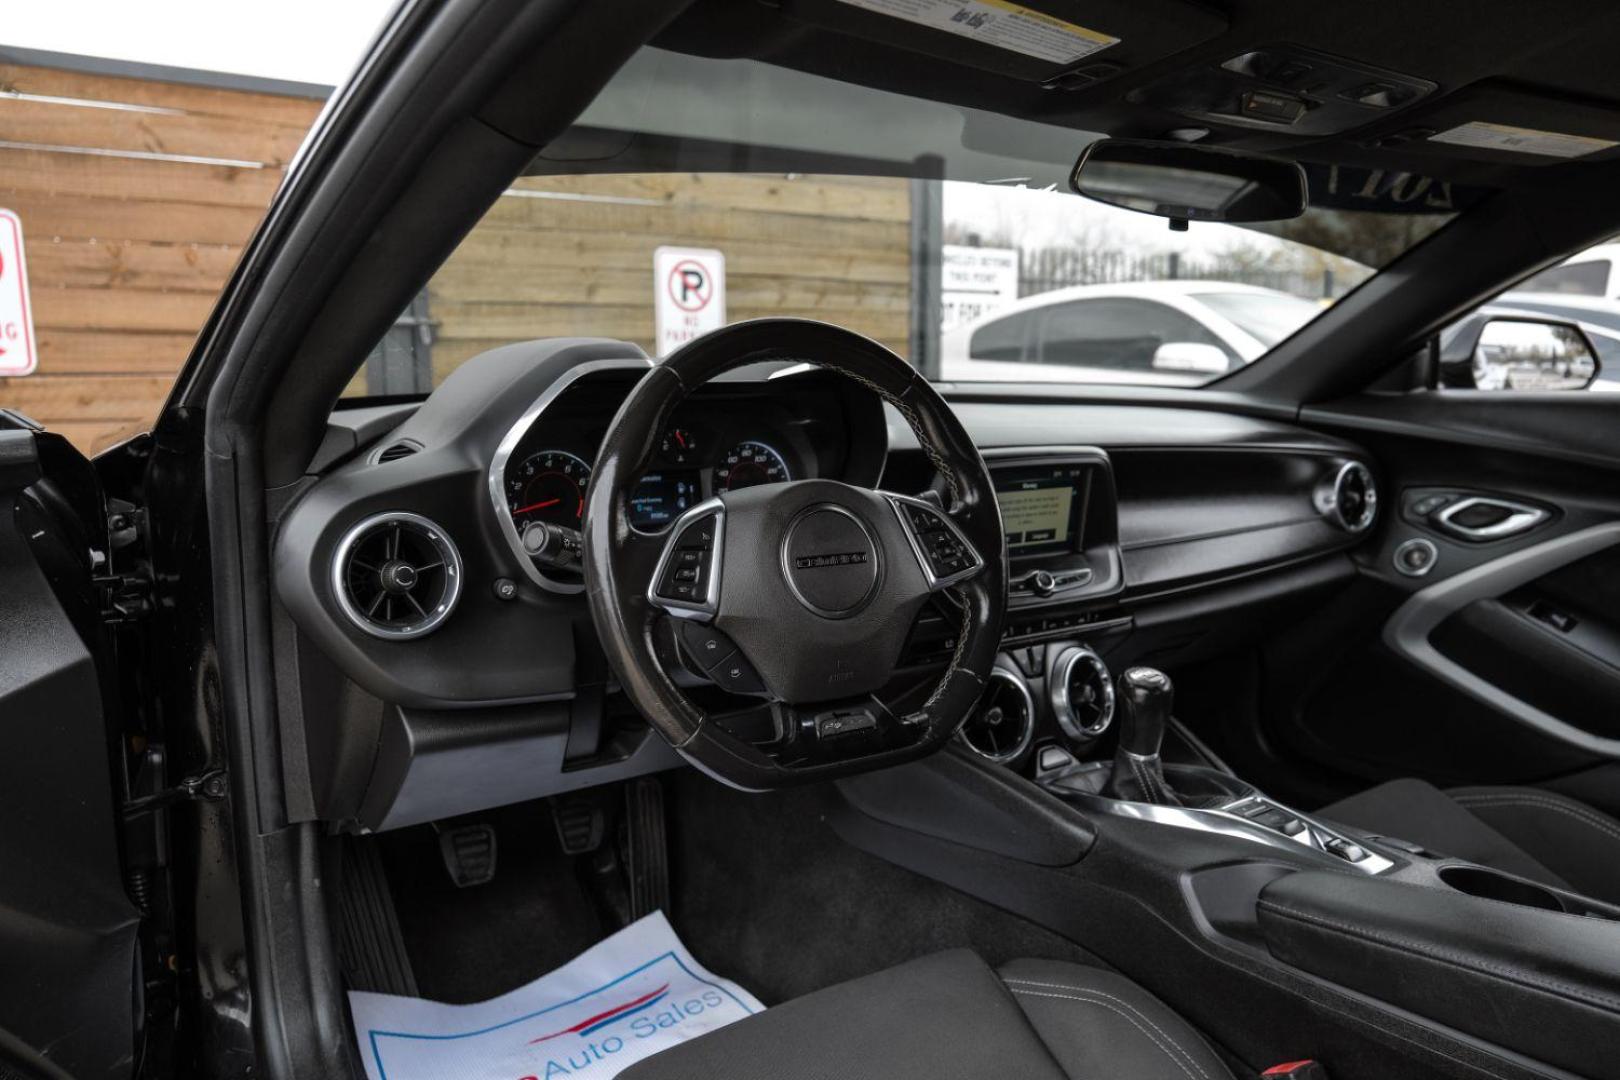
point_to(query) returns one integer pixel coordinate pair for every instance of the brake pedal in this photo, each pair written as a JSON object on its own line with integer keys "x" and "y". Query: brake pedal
{"x": 469, "y": 854}
{"x": 646, "y": 847}
{"x": 580, "y": 822}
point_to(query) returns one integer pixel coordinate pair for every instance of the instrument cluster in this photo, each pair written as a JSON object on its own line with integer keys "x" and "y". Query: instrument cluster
{"x": 693, "y": 463}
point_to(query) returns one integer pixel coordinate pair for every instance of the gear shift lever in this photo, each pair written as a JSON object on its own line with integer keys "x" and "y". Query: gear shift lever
{"x": 1146, "y": 695}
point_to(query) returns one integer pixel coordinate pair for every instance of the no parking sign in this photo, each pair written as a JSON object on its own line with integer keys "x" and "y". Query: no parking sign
{"x": 18, "y": 356}
{"x": 689, "y": 286}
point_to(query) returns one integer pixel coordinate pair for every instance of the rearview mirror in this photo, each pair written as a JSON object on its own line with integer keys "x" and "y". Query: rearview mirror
{"x": 1189, "y": 183}
{"x": 1532, "y": 355}
{"x": 1190, "y": 356}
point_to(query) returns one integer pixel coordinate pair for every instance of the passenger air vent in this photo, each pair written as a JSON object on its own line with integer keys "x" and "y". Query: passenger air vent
{"x": 1082, "y": 694}
{"x": 1001, "y": 728}
{"x": 394, "y": 451}
{"x": 1350, "y": 498}
{"x": 396, "y": 575}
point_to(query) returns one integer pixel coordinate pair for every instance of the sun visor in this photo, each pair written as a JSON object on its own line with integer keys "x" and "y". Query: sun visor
{"x": 1070, "y": 44}
{"x": 1501, "y": 124}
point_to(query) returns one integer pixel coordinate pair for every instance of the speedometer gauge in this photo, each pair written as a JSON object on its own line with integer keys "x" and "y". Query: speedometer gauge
{"x": 749, "y": 464}
{"x": 549, "y": 485}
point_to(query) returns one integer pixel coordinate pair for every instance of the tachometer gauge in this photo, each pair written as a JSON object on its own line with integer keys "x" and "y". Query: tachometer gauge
{"x": 679, "y": 446}
{"x": 549, "y": 485}
{"x": 749, "y": 464}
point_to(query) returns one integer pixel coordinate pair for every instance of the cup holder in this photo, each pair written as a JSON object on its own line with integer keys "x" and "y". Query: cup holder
{"x": 1490, "y": 885}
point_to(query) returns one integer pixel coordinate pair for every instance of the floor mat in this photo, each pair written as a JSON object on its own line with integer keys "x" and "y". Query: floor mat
{"x": 620, "y": 1001}
{"x": 765, "y": 890}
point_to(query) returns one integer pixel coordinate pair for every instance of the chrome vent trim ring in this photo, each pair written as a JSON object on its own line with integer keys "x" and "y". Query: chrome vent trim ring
{"x": 1350, "y": 498}
{"x": 424, "y": 602}
{"x": 1087, "y": 717}
{"x": 1010, "y": 749}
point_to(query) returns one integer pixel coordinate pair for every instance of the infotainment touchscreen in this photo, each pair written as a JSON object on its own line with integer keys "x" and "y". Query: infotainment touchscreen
{"x": 1042, "y": 507}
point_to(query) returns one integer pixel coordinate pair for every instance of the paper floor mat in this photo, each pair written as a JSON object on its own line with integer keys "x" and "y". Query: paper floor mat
{"x": 623, "y": 999}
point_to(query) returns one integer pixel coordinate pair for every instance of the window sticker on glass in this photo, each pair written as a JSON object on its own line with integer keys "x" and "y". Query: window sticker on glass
{"x": 999, "y": 23}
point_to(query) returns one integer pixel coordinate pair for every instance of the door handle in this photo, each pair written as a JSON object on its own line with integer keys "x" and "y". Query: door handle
{"x": 1512, "y": 518}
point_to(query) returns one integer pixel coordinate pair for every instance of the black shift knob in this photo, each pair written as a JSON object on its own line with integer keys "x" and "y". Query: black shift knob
{"x": 1146, "y": 696}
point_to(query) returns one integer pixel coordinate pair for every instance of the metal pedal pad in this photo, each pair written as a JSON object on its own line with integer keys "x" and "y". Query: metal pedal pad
{"x": 469, "y": 854}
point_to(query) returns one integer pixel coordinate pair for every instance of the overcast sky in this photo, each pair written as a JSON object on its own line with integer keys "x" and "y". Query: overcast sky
{"x": 312, "y": 41}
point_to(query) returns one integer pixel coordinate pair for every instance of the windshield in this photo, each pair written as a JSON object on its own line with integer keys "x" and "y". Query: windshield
{"x": 696, "y": 192}
{"x": 1267, "y": 317}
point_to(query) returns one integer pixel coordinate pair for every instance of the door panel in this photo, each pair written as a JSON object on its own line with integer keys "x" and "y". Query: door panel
{"x": 1501, "y": 662}
{"x": 68, "y": 977}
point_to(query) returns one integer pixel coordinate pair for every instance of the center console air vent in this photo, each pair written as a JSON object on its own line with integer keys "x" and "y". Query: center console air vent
{"x": 1082, "y": 692}
{"x": 1001, "y": 728}
{"x": 1349, "y": 498}
{"x": 396, "y": 575}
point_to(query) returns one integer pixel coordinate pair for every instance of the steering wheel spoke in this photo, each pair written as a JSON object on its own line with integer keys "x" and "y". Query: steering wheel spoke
{"x": 686, "y": 581}
{"x": 943, "y": 553}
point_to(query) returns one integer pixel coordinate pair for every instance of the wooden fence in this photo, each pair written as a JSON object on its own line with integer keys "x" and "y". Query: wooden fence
{"x": 546, "y": 262}
{"x": 136, "y": 197}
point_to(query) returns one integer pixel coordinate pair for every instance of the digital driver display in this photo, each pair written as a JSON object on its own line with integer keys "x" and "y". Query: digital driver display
{"x": 662, "y": 497}
{"x": 1041, "y": 508}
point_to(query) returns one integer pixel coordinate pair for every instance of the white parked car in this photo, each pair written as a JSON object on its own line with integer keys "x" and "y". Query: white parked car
{"x": 1166, "y": 333}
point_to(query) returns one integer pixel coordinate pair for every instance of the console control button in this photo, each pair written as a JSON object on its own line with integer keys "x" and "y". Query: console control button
{"x": 1053, "y": 758}
{"x": 1344, "y": 849}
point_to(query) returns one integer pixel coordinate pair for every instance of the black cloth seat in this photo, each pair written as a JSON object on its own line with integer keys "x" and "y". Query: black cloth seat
{"x": 950, "y": 1017}
{"x": 1535, "y": 834}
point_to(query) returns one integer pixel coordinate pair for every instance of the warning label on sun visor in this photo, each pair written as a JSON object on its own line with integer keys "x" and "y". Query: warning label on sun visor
{"x": 1522, "y": 140}
{"x": 999, "y": 23}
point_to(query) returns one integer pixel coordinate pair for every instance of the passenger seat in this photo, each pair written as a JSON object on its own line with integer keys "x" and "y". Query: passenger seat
{"x": 1536, "y": 834}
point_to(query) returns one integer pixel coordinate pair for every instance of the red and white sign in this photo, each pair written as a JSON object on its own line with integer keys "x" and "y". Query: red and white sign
{"x": 689, "y": 286}
{"x": 18, "y": 354}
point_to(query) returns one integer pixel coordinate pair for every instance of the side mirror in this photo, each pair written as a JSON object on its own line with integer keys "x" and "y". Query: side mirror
{"x": 1185, "y": 183}
{"x": 1190, "y": 356}
{"x": 1531, "y": 355}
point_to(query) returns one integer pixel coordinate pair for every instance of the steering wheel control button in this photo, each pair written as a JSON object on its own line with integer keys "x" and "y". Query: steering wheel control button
{"x": 942, "y": 551}
{"x": 830, "y": 561}
{"x": 685, "y": 583}
{"x": 1416, "y": 557}
{"x": 737, "y": 675}
{"x": 707, "y": 646}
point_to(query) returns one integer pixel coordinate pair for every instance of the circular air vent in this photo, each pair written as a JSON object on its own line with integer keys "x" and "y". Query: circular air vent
{"x": 1350, "y": 498}
{"x": 1082, "y": 694}
{"x": 396, "y": 575}
{"x": 1002, "y": 726}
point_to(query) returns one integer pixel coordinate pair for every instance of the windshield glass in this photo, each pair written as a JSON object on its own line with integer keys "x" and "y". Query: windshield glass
{"x": 696, "y": 192}
{"x": 1267, "y": 317}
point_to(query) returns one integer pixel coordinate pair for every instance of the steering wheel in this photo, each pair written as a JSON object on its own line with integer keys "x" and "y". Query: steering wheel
{"x": 801, "y": 594}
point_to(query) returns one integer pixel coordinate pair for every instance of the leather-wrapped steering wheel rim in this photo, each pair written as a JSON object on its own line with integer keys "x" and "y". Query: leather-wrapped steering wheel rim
{"x": 619, "y": 561}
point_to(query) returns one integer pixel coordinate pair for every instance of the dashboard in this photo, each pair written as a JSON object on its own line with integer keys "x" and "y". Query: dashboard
{"x": 443, "y": 669}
